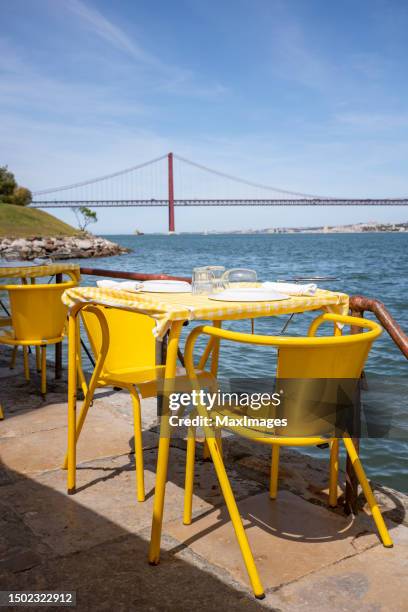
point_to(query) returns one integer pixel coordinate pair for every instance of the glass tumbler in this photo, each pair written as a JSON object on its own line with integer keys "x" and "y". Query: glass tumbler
{"x": 202, "y": 281}
{"x": 218, "y": 282}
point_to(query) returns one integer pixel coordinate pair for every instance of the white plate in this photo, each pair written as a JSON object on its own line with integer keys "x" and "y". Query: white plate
{"x": 166, "y": 286}
{"x": 248, "y": 295}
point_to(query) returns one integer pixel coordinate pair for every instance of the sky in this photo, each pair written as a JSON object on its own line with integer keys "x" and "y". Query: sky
{"x": 306, "y": 96}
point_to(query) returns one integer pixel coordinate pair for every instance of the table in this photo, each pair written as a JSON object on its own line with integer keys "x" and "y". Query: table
{"x": 28, "y": 269}
{"x": 168, "y": 308}
{"x": 170, "y": 311}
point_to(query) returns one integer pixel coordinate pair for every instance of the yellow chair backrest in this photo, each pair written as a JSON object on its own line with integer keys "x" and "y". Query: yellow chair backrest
{"x": 132, "y": 344}
{"x": 332, "y": 358}
{"x": 37, "y": 312}
{"x": 310, "y": 402}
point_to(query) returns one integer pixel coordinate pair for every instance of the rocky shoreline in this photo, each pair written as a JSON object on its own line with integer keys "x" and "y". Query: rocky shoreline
{"x": 60, "y": 247}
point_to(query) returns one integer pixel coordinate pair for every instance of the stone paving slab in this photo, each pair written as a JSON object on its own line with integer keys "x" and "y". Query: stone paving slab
{"x": 289, "y": 538}
{"x": 369, "y": 582}
{"x": 36, "y": 441}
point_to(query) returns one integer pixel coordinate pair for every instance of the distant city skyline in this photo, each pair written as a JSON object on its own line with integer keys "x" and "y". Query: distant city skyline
{"x": 310, "y": 97}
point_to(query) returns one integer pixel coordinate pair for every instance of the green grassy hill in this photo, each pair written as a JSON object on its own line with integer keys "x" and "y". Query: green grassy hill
{"x": 20, "y": 222}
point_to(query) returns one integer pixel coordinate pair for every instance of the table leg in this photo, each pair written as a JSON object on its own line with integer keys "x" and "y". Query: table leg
{"x": 58, "y": 346}
{"x": 72, "y": 399}
{"x": 164, "y": 445}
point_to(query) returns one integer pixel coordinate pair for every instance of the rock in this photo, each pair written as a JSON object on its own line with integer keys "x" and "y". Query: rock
{"x": 84, "y": 244}
{"x": 69, "y": 247}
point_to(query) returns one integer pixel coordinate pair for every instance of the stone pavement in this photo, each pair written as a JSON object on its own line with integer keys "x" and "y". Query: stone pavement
{"x": 95, "y": 542}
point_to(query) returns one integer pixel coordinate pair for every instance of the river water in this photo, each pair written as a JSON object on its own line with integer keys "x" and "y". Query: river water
{"x": 375, "y": 265}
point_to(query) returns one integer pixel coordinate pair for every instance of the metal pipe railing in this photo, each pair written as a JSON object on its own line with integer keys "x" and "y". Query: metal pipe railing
{"x": 132, "y": 275}
{"x": 360, "y": 304}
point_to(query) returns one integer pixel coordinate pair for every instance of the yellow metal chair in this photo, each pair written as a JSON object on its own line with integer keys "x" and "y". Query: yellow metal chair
{"x": 327, "y": 357}
{"x": 126, "y": 356}
{"x": 38, "y": 318}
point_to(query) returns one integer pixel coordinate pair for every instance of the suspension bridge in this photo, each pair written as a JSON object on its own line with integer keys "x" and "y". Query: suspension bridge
{"x": 152, "y": 184}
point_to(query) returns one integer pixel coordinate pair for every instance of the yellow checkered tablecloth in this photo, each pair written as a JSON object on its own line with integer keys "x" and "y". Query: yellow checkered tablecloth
{"x": 32, "y": 271}
{"x": 166, "y": 308}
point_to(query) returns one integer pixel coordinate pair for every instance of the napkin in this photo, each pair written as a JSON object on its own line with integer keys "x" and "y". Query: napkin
{"x": 119, "y": 285}
{"x": 291, "y": 288}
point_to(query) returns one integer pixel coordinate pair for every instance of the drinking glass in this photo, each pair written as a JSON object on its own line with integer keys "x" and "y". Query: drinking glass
{"x": 218, "y": 282}
{"x": 202, "y": 281}
{"x": 237, "y": 277}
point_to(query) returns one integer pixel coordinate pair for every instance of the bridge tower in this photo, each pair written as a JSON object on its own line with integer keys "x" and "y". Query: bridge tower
{"x": 171, "y": 193}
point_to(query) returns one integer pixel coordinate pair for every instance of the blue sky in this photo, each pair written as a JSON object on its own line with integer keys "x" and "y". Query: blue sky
{"x": 308, "y": 96}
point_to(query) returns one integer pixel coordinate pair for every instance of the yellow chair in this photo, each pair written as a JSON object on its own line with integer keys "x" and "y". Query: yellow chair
{"x": 328, "y": 357}
{"x": 38, "y": 318}
{"x": 126, "y": 356}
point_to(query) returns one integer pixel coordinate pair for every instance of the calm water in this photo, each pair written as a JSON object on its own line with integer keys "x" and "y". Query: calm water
{"x": 374, "y": 265}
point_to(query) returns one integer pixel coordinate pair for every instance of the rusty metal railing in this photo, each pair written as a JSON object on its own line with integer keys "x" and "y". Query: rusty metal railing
{"x": 360, "y": 304}
{"x": 131, "y": 275}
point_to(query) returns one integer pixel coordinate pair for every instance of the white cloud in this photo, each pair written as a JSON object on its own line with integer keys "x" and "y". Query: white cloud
{"x": 170, "y": 78}
{"x": 105, "y": 29}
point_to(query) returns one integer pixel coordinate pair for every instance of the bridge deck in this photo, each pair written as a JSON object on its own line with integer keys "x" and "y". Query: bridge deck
{"x": 224, "y": 202}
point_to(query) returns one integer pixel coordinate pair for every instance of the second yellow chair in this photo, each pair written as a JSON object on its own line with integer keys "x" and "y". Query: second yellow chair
{"x": 127, "y": 356}
{"x": 309, "y": 358}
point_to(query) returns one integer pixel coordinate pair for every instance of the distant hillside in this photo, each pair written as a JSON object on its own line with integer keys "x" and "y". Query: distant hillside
{"x": 20, "y": 222}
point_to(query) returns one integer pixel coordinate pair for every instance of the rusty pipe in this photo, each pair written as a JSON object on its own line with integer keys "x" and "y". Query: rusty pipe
{"x": 131, "y": 275}
{"x": 360, "y": 304}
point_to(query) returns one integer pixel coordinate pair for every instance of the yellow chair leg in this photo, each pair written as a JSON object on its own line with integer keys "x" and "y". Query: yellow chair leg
{"x": 13, "y": 358}
{"x": 164, "y": 447}
{"x": 236, "y": 519}
{"x": 25, "y": 358}
{"x": 43, "y": 370}
{"x": 82, "y": 380}
{"x": 158, "y": 507}
{"x": 372, "y": 502}
{"x": 81, "y": 377}
{"x": 140, "y": 489}
{"x": 73, "y": 347}
{"x": 81, "y": 419}
{"x": 334, "y": 472}
{"x": 1, "y": 413}
{"x": 273, "y": 485}
{"x": 38, "y": 358}
{"x": 189, "y": 481}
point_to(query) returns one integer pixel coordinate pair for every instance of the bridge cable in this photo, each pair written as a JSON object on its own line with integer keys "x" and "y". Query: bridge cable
{"x": 249, "y": 183}
{"x": 100, "y": 178}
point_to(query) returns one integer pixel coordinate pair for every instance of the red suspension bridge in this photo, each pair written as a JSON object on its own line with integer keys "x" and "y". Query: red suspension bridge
{"x": 152, "y": 184}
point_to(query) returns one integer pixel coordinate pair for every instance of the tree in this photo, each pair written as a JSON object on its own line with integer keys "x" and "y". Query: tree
{"x": 21, "y": 196}
{"x": 84, "y": 217}
{"x": 10, "y": 192}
